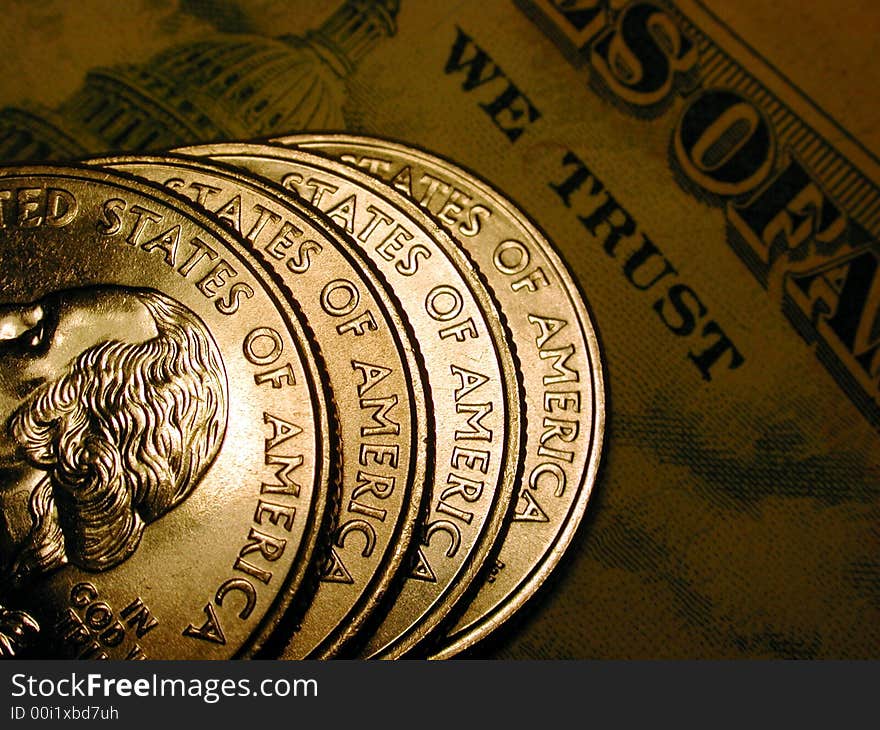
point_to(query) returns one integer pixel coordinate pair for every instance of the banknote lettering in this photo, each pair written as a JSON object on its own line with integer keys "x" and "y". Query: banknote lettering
{"x": 836, "y": 305}
{"x": 715, "y": 155}
{"x": 758, "y": 515}
{"x": 723, "y": 143}
{"x": 789, "y": 229}
{"x": 572, "y": 24}
{"x": 507, "y": 106}
{"x": 642, "y": 55}
{"x": 790, "y": 213}
{"x": 679, "y": 307}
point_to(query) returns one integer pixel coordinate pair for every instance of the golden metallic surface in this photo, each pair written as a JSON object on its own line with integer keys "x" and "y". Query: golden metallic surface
{"x": 167, "y": 448}
{"x": 737, "y": 512}
{"x": 373, "y": 371}
{"x": 475, "y": 386}
{"x": 559, "y": 357}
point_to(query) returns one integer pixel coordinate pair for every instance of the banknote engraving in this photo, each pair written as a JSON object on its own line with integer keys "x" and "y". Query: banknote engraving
{"x": 680, "y": 307}
{"x": 735, "y": 146}
{"x": 114, "y": 405}
{"x": 572, "y": 24}
{"x": 230, "y": 86}
{"x": 510, "y": 109}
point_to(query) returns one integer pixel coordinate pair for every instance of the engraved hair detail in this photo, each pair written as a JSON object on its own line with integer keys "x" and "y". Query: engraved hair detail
{"x": 125, "y": 435}
{"x": 45, "y": 548}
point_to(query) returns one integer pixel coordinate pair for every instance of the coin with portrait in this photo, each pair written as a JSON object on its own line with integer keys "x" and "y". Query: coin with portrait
{"x": 474, "y": 381}
{"x": 374, "y": 372}
{"x": 166, "y": 443}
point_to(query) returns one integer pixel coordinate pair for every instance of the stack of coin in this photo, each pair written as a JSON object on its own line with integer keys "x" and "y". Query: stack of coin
{"x": 323, "y": 396}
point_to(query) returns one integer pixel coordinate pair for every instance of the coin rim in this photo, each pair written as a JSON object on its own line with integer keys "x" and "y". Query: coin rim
{"x": 287, "y": 599}
{"x": 336, "y": 636}
{"x": 489, "y": 538}
{"x": 420, "y": 472}
{"x": 455, "y": 642}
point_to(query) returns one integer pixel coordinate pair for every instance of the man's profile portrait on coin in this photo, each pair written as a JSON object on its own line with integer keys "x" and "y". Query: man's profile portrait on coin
{"x": 113, "y": 404}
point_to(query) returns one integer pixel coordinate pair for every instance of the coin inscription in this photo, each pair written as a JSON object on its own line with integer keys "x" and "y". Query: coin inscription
{"x": 372, "y": 368}
{"x": 559, "y": 355}
{"x": 472, "y": 373}
{"x": 166, "y": 449}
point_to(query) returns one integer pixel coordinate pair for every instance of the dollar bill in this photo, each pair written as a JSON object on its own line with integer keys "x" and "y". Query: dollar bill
{"x": 708, "y": 170}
